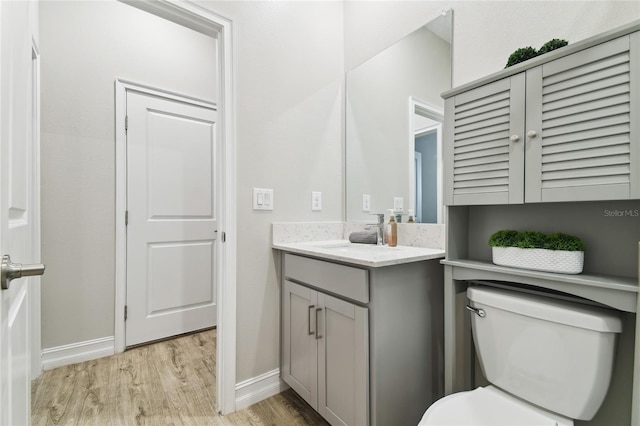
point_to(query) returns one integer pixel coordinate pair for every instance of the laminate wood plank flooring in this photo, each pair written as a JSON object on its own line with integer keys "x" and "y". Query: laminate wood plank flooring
{"x": 167, "y": 383}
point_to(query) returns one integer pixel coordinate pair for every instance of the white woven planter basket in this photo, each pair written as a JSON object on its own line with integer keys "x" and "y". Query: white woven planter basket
{"x": 565, "y": 262}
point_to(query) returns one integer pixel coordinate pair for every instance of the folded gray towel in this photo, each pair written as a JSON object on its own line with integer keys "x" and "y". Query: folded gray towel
{"x": 364, "y": 237}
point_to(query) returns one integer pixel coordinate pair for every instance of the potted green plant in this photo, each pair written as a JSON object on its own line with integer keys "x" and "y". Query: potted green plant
{"x": 556, "y": 252}
{"x": 525, "y": 53}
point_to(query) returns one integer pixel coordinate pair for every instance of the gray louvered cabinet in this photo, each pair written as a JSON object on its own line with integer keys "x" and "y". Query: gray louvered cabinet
{"x": 565, "y": 130}
{"x": 484, "y": 156}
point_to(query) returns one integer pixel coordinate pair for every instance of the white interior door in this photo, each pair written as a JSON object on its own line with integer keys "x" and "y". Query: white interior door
{"x": 19, "y": 213}
{"x": 172, "y": 226}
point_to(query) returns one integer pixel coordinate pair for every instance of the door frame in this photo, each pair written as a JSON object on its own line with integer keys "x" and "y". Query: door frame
{"x": 209, "y": 23}
{"x": 35, "y": 303}
{"x": 424, "y": 109}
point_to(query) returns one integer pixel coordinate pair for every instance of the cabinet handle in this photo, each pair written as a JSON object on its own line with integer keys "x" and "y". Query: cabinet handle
{"x": 309, "y": 324}
{"x": 318, "y": 336}
{"x": 515, "y": 138}
{"x": 531, "y": 134}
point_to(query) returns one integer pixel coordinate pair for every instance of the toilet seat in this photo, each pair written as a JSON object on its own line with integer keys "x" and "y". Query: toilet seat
{"x": 488, "y": 406}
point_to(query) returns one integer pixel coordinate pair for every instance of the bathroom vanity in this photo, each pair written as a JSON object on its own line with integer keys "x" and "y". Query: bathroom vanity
{"x": 362, "y": 330}
{"x": 553, "y": 145}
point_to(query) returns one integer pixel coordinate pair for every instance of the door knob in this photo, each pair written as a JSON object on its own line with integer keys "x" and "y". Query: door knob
{"x": 531, "y": 134}
{"x": 10, "y": 270}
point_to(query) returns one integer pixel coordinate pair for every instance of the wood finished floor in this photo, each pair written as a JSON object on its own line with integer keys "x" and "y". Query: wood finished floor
{"x": 167, "y": 383}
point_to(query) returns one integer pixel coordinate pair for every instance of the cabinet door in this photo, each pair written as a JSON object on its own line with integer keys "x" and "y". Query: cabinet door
{"x": 343, "y": 362}
{"x": 484, "y": 144}
{"x": 300, "y": 355}
{"x": 584, "y": 109}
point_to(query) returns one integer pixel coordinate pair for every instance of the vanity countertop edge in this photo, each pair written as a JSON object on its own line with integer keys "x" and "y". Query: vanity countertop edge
{"x": 370, "y": 256}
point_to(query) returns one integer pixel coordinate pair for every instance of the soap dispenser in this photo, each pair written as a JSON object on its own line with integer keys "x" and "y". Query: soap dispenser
{"x": 392, "y": 237}
{"x": 411, "y": 219}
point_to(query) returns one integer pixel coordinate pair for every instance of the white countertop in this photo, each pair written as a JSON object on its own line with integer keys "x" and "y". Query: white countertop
{"x": 361, "y": 254}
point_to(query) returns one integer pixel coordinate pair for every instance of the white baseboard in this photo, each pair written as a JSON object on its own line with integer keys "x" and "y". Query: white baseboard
{"x": 258, "y": 388}
{"x": 77, "y": 352}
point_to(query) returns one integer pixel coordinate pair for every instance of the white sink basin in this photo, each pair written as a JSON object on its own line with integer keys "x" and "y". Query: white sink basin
{"x": 358, "y": 248}
{"x": 361, "y": 254}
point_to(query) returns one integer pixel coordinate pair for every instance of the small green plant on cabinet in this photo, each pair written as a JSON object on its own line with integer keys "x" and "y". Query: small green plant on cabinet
{"x": 554, "y": 44}
{"x": 504, "y": 238}
{"x": 525, "y": 53}
{"x": 561, "y": 241}
{"x": 521, "y": 55}
{"x": 535, "y": 239}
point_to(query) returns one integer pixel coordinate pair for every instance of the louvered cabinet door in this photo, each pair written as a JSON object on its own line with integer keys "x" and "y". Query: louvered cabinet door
{"x": 582, "y": 121}
{"x": 484, "y": 144}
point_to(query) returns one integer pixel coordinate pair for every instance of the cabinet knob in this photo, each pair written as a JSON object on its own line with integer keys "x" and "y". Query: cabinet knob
{"x": 531, "y": 134}
{"x": 515, "y": 138}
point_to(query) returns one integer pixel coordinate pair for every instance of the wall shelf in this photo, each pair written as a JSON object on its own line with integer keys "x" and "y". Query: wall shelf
{"x": 614, "y": 291}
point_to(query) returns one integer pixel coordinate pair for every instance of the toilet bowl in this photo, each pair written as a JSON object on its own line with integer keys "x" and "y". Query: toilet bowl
{"x": 488, "y": 406}
{"x": 549, "y": 361}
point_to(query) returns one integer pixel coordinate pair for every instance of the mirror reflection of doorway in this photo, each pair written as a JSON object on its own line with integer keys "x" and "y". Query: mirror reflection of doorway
{"x": 426, "y": 124}
{"x": 426, "y": 175}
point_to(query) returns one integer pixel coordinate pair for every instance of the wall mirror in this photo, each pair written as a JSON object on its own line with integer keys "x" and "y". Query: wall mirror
{"x": 394, "y": 116}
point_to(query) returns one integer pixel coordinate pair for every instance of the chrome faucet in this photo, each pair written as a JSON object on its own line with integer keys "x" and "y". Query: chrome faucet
{"x": 380, "y": 239}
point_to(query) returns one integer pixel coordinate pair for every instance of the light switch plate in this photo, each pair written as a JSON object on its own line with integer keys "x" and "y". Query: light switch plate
{"x": 316, "y": 201}
{"x": 366, "y": 203}
{"x": 262, "y": 199}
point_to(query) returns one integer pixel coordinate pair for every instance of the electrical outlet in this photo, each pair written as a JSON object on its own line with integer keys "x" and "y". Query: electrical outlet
{"x": 316, "y": 201}
{"x": 366, "y": 203}
{"x": 398, "y": 204}
{"x": 262, "y": 199}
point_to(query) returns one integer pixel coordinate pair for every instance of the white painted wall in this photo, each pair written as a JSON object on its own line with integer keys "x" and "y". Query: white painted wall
{"x": 485, "y": 32}
{"x": 289, "y": 109}
{"x": 84, "y": 47}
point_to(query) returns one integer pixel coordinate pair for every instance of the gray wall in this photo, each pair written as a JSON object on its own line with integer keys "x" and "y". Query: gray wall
{"x": 84, "y": 47}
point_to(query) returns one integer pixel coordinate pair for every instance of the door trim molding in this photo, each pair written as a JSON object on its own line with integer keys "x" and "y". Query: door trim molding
{"x": 207, "y": 22}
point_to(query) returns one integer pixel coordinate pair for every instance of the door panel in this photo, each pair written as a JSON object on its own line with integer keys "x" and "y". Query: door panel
{"x": 581, "y": 108}
{"x": 18, "y": 205}
{"x": 343, "y": 393}
{"x": 300, "y": 356}
{"x": 485, "y": 163}
{"x": 175, "y": 166}
{"x": 197, "y": 271}
{"x": 171, "y": 235}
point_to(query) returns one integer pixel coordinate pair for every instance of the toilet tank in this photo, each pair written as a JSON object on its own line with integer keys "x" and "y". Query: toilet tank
{"x": 554, "y": 353}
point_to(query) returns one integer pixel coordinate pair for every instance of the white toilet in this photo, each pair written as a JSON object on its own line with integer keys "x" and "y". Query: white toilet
{"x": 549, "y": 361}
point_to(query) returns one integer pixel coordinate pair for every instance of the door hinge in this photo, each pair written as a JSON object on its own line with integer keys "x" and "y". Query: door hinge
{"x": 125, "y": 312}
{"x": 126, "y": 123}
{"x": 224, "y": 237}
{"x": 126, "y": 217}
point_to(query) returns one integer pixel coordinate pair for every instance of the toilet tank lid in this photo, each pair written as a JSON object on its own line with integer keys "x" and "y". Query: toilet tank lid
{"x": 546, "y": 308}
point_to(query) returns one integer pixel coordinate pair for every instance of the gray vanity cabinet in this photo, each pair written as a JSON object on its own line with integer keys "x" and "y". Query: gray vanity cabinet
{"x": 326, "y": 353}
{"x": 559, "y": 130}
{"x": 363, "y": 345}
